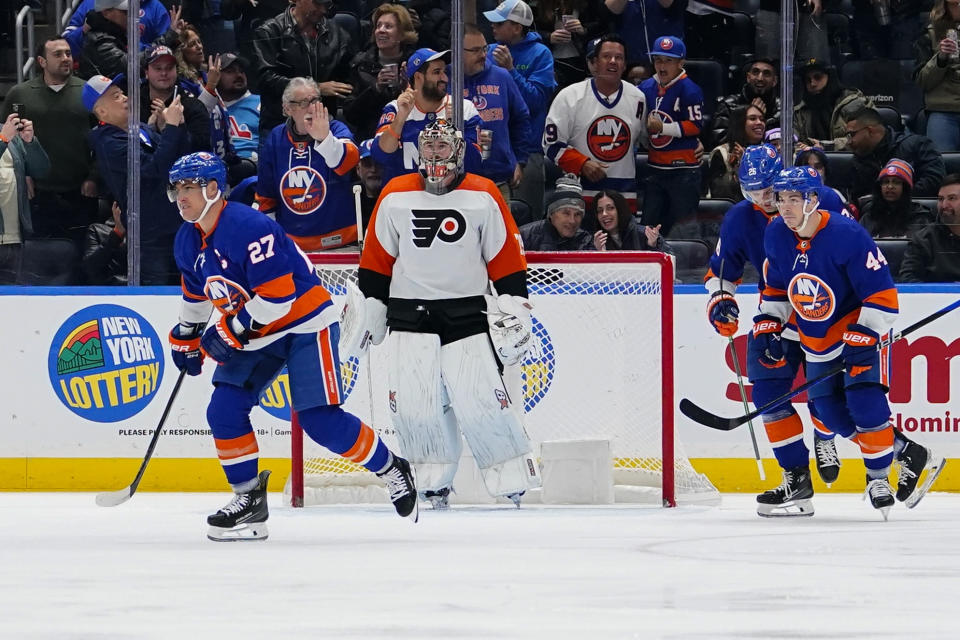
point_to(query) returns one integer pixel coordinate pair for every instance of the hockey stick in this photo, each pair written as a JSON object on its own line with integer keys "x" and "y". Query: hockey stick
{"x": 114, "y": 498}
{"x": 358, "y": 210}
{"x": 707, "y": 419}
{"x": 743, "y": 391}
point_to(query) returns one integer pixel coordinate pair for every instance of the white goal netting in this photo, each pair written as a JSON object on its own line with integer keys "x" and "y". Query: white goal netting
{"x": 601, "y": 370}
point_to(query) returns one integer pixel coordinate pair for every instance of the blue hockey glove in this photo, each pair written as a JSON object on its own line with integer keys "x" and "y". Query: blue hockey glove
{"x": 220, "y": 341}
{"x": 860, "y": 352}
{"x": 185, "y": 348}
{"x": 766, "y": 332}
{"x": 723, "y": 312}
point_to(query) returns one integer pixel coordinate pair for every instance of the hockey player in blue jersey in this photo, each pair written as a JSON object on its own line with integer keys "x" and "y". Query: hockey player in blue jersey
{"x": 272, "y": 311}
{"x": 824, "y": 271}
{"x": 305, "y": 169}
{"x": 741, "y": 241}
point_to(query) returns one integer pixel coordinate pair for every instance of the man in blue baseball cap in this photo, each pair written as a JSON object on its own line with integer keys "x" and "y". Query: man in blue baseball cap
{"x": 424, "y": 101}
{"x": 158, "y": 151}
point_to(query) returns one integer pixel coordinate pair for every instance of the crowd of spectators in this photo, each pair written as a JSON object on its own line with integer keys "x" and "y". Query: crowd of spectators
{"x": 606, "y": 124}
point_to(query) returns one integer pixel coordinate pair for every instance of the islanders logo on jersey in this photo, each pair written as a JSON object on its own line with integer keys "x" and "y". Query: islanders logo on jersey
{"x": 478, "y": 101}
{"x": 608, "y": 138}
{"x": 811, "y": 297}
{"x": 303, "y": 190}
{"x": 226, "y": 295}
{"x": 106, "y": 363}
{"x": 660, "y": 141}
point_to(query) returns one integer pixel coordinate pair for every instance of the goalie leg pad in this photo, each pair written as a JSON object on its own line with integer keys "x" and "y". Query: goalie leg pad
{"x": 487, "y": 417}
{"x": 427, "y": 434}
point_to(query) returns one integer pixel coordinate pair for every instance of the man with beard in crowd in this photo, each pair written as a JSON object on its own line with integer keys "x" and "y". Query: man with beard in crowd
{"x": 760, "y": 89}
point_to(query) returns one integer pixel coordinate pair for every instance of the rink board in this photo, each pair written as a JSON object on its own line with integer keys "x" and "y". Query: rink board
{"x": 86, "y": 376}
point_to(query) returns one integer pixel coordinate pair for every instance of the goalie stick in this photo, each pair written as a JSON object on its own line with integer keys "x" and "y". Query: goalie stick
{"x": 707, "y": 419}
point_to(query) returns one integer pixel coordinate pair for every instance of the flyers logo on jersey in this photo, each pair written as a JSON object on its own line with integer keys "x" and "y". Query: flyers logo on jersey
{"x": 811, "y": 297}
{"x": 660, "y": 141}
{"x": 226, "y": 295}
{"x": 608, "y": 138}
{"x": 303, "y": 190}
{"x": 447, "y": 225}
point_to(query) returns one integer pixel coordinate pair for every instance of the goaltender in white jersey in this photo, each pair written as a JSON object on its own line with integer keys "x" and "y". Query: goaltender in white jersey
{"x": 436, "y": 242}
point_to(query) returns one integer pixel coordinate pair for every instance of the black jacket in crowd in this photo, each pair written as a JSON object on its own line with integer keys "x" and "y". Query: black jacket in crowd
{"x": 726, "y": 104}
{"x": 900, "y": 219}
{"x": 543, "y": 236}
{"x": 105, "y": 47}
{"x": 933, "y": 255}
{"x": 363, "y": 109}
{"x": 928, "y": 168}
{"x": 105, "y": 255}
{"x": 280, "y": 52}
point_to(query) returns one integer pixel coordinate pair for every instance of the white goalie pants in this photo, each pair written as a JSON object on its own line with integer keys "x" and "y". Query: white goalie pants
{"x": 437, "y": 392}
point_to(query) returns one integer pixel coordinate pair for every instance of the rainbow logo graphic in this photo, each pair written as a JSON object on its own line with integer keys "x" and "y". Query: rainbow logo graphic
{"x": 106, "y": 363}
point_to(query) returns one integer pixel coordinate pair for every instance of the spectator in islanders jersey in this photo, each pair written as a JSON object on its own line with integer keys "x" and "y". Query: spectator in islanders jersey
{"x": 305, "y": 171}
{"x": 594, "y": 126}
{"x": 425, "y": 100}
{"x": 674, "y": 122}
{"x": 505, "y": 142}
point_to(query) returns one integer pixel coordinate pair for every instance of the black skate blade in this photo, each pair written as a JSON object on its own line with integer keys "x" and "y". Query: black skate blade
{"x": 113, "y": 498}
{"x": 933, "y": 472}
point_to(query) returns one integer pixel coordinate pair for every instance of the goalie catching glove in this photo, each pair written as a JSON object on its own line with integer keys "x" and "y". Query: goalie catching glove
{"x": 510, "y": 327}
{"x": 363, "y": 322}
{"x": 185, "y": 348}
{"x": 766, "y": 332}
{"x": 723, "y": 311}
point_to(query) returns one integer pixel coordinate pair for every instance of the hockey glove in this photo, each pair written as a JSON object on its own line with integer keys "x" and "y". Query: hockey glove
{"x": 510, "y": 327}
{"x": 766, "y": 332}
{"x": 375, "y": 314}
{"x": 220, "y": 341}
{"x": 860, "y": 352}
{"x": 185, "y": 348}
{"x": 723, "y": 312}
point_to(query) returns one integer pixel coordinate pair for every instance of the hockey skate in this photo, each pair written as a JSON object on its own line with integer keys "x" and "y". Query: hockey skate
{"x": 828, "y": 463}
{"x": 881, "y": 495}
{"x": 791, "y": 499}
{"x": 402, "y": 488}
{"x": 439, "y": 500}
{"x": 244, "y": 518}
{"x": 913, "y": 460}
{"x": 515, "y": 498}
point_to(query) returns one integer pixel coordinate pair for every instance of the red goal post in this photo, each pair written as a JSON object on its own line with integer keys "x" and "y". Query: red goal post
{"x": 603, "y": 368}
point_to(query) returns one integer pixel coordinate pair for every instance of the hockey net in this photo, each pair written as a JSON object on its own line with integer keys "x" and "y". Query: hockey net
{"x": 602, "y": 370}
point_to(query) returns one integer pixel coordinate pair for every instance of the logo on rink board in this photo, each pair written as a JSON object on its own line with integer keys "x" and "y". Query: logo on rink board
{"x": 106, "y": 363}
{"x": 275, "y": 399}
{"x": 538, "y": 367}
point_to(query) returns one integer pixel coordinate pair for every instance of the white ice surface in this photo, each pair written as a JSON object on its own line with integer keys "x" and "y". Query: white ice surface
{"x": 69, "y": 569}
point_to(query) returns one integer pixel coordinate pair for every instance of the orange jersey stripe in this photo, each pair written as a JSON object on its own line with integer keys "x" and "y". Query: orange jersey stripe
{"x": 230, "y": 448}
{"x": 351, "y": 156}
{"x": 278, "y": 288}
{"x": 510, "y": 258}
{"x": 374, "y": 256}
{"x": 834, "y": 334}
{"x": 886, "y": 299}
{"x": 571, "y": 160}
{"x": 302, "y": 306}
{"x": 689, "y": 129}
{"x": 188, "y": 294}
{"x": 316, "y": 243}
{"x": 361, "y": 448}
{"x": 264, "y": 203}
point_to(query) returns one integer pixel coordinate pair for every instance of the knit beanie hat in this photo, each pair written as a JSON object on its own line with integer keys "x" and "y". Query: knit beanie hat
{"x": 897, "y": 168}
{"x": 568, "y": 193}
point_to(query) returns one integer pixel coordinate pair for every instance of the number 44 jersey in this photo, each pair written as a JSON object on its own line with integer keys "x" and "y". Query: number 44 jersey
{"x": 247, "y": 265}
{"x": 423, "y": 246}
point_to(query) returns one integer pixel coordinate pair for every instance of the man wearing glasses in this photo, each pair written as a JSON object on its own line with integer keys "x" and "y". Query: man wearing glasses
{"x": 305, "y": 171}
{"x": 873, "y": 145}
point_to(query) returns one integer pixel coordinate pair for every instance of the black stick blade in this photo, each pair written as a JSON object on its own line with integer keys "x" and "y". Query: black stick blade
{"x": 707, "y": 419}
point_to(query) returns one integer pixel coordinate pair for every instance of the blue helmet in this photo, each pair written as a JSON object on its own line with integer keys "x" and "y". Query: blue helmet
{"x": 200, "y": 167}
{"x": 759, "y": 167}
{"x": 801, "y": 179}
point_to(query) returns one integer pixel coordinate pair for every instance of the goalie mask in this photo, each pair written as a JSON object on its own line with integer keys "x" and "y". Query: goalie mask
{"x": 441, "y": 149}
